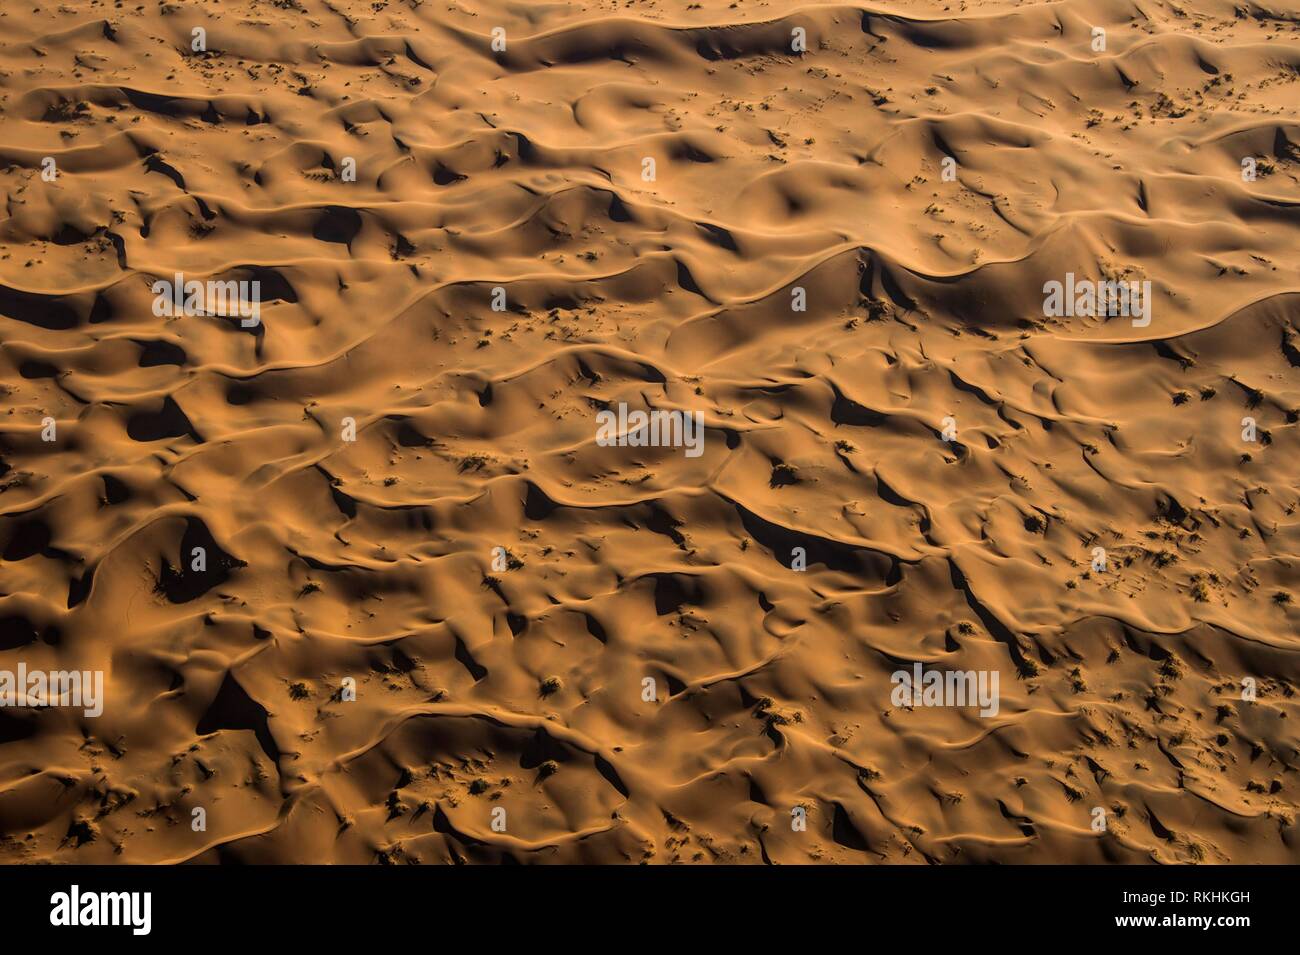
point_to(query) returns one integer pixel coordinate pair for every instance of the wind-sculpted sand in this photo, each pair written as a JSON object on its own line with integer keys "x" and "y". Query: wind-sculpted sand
{"x": 617, "y": 644}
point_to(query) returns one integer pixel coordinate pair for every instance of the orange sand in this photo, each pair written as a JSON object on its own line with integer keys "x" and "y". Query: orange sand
{"x": 479, "y": 688}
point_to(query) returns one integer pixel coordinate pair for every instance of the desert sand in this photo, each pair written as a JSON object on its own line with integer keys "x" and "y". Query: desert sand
{"x": 427, "y": 592}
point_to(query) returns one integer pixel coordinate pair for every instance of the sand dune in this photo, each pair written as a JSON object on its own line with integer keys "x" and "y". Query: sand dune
{"x": 825, "y": 229}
